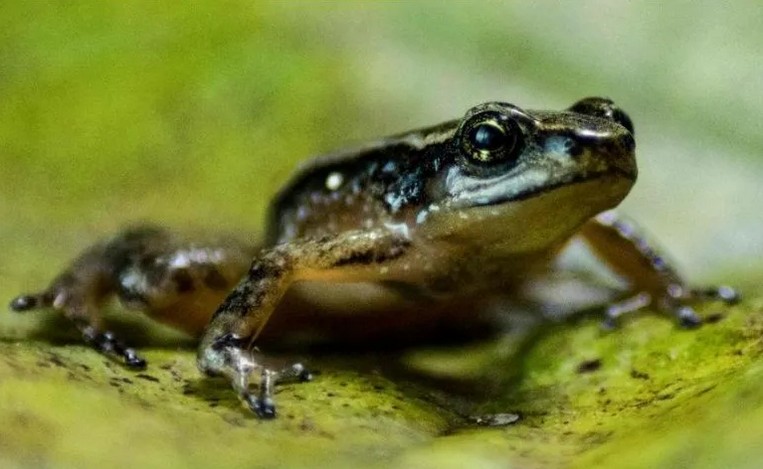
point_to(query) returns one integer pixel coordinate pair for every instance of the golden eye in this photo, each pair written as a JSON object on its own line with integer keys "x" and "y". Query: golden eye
{"x": 488, "y": 141}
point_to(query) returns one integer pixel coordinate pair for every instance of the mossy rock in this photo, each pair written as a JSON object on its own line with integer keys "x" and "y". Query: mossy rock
{"x": 645, "y": 395}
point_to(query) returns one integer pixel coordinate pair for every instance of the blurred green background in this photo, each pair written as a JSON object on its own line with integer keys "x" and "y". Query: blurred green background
{"x": 192, "y": 114}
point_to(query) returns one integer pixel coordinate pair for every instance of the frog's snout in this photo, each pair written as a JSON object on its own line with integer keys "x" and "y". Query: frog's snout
{"x": 611, "y": 151}
{"x": 627, "y": 142}
{"x": 620, "y": 153}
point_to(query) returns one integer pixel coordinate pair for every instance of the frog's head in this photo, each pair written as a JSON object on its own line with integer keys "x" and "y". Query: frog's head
{"x": 530, "y": 178}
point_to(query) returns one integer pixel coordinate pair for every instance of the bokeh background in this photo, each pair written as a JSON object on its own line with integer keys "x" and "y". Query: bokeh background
{"x": 192, "y": 114}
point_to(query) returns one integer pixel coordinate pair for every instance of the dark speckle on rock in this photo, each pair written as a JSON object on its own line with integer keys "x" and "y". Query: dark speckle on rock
{"x": 147, "y": 377}
{"x": 713, "y": 318}
{"x": 636, "y": 374}
{"x": 307, "y": 425}
{"x": 589, "y": 366}
{"x": 56, "y": 360}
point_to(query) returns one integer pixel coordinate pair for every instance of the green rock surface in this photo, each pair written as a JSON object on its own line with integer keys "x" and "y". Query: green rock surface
{"x": 645, "y": 395}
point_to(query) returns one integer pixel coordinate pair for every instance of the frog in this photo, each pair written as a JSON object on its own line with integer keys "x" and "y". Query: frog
{"x": 393, "y": 235}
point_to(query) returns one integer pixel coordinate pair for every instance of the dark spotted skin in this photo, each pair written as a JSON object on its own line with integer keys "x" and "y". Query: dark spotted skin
{"x": 392, "y": 238}
{"x": 378, "y": 184}
{"x": 140, "y": 267}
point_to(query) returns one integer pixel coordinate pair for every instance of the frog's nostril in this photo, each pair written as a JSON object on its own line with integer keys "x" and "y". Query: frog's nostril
{"x": 619, "y": 116}
{"x": 628, "y": 142}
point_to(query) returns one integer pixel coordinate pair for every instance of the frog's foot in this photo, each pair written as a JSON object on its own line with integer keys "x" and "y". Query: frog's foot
{"x": 229, "y": 357}
{"x": 109, "y": 345}
{"x": 77, "y": 309}
{"x": 263, "y": 405}
{"x": 723, "y": 293}
{"x": 676, "y": 301}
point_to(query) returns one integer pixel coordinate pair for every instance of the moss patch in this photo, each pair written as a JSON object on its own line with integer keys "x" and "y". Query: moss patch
{"x": 647, "y": 395}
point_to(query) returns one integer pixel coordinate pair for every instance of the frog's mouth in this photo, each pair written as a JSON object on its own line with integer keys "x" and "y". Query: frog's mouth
{"x": 532, "y": 184}
{"x": 616, "y": 177}
{"x": 529, "y": 219}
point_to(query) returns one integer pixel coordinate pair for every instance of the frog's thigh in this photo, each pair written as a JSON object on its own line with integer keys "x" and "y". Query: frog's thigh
{"x": 181, "y": 284}
{"x": 350, "y": 256}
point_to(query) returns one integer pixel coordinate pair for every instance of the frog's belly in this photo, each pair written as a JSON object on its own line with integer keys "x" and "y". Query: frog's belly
{"x": 348, "y": 299}
{"x": 362, "y": 312}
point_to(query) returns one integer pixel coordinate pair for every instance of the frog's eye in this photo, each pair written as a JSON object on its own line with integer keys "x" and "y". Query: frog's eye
{"x": 488, "y": 141}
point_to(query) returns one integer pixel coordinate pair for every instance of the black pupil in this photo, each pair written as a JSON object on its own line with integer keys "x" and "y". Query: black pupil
{"x": 487, "y": 137}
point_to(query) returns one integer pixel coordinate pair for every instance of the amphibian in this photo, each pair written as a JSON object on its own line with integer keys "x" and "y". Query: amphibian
{"x": 411, "y": 228}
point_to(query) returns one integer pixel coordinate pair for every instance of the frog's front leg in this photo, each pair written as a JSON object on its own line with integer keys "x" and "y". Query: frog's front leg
{"x": 653, "y": 281}
{"x": 225, "y": 348}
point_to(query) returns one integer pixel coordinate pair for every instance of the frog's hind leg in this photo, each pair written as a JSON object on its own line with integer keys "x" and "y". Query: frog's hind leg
{"x": 173, "y": 279}
{"x": 79, "y": 293}
{"x": 103, "y": 341}
{"x": 652, "y": 279}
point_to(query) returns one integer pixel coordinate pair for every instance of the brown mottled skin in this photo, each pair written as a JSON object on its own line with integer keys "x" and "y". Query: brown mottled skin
{"x": 397, "y": 237}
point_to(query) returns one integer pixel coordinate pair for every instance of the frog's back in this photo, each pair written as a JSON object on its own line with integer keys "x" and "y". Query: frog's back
{"x": 357, "y": 188}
